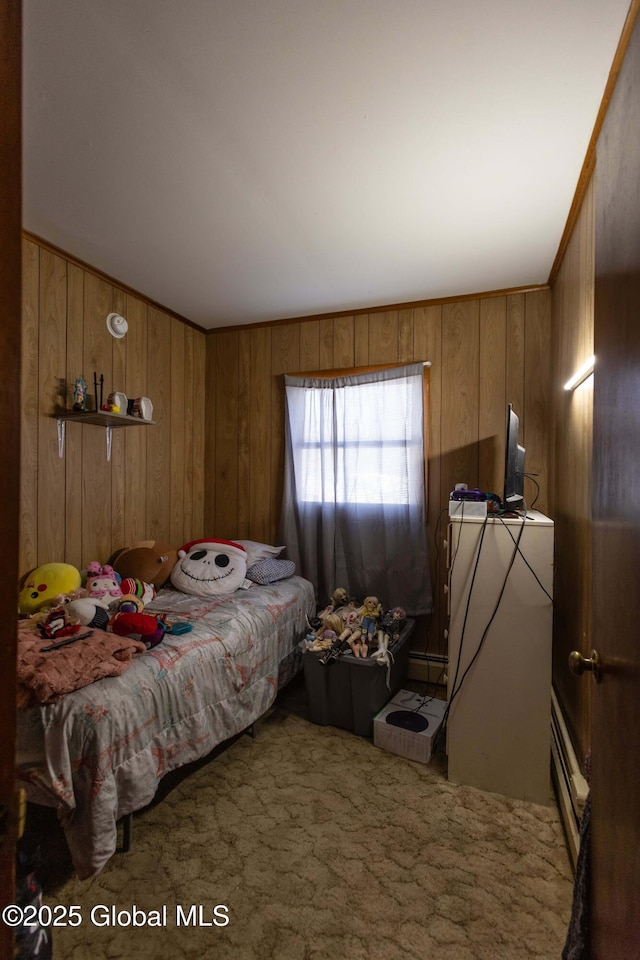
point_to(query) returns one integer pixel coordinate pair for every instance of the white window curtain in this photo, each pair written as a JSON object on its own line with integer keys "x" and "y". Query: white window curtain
{"x": 354, "y": 510}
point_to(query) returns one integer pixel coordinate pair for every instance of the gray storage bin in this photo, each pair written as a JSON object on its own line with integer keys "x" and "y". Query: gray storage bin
{"x": 350, "y": 691}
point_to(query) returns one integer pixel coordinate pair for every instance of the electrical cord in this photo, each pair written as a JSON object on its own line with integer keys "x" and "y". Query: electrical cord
{"x": 423, "y": 702}
{"x": 532, "y": 477}
{"x": 455, "y": 687}
{"x": 493, "y": 615}
{"x": 534, "y": 574}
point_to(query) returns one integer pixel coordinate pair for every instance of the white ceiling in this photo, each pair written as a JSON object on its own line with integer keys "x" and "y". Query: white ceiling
{"x": 247, "y": 160}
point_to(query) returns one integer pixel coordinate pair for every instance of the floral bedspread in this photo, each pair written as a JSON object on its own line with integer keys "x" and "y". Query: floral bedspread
{"x": 100, "y": 752}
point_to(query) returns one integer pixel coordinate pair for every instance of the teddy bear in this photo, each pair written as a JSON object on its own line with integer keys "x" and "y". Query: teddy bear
{"x": 150, "y": 561}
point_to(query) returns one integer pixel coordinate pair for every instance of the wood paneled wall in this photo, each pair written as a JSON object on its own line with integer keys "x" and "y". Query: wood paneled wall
{"x": 81, "y": 507}
{"x": 484, "y": 352}
{"x": 570, "y": 493}
{"x": 212, "y": 464}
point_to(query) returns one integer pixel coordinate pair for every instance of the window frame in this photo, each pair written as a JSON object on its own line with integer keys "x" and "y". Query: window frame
{"x": 332, "y": 374}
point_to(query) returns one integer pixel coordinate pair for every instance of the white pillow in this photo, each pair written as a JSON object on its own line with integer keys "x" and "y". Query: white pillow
{"x": 258, "y": 551}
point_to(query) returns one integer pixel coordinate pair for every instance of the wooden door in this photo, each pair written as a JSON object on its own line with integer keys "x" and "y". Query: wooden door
{"x": 10, "y": 253}
{"x": 615, "y": 782}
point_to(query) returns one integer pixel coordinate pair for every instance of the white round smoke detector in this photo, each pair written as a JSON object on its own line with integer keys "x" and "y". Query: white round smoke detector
{"x": 117, "y": 325}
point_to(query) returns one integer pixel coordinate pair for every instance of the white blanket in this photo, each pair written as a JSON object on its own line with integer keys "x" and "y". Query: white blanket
{"x": 100, "y": 752}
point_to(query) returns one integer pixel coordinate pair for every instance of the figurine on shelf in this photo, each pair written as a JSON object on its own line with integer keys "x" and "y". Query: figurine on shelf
{"x": 80, "y": 395}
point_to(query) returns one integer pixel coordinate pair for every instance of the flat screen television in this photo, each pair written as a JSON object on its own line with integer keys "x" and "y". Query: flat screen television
{"x": 513, "y": 498}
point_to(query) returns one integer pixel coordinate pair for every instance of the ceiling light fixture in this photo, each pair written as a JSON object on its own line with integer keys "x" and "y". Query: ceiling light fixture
{"x": 117, "y": 325}
{"x": 580, "y": 375}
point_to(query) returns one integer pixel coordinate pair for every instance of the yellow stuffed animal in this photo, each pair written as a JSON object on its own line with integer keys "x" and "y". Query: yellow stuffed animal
{"x": 44, "y": 584}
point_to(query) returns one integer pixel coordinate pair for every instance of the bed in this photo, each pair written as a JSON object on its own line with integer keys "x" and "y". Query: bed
{"x": 99, "y": 753}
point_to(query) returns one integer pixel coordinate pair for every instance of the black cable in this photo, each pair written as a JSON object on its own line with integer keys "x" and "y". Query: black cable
{"x": 532, "y": 477}
{"x": 456, "y": 689}
{"x": 493, "y": 615}
{"x": 535, "y": 575}
{"x": 427, "y": 697}
{"x": 424, "y": 701}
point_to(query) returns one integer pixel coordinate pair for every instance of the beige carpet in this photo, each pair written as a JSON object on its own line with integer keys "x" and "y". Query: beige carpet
{"x": 322, "y": 847}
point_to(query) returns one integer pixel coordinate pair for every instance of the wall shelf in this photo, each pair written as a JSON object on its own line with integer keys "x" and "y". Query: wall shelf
{"x": 97, "y": 418}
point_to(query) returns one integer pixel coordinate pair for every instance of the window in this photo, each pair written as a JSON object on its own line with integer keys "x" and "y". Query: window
{"x": 354, "y": 511}
{"x": 361, "y": 443}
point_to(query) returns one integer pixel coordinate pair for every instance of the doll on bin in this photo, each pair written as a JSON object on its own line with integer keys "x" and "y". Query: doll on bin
{"x": 370, "y": 613}
{"x": 353, "y": 634}
{"x": 392, "y": 622}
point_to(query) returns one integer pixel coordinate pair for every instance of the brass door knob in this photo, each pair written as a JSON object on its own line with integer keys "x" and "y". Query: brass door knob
{"x": 579, "y": 664}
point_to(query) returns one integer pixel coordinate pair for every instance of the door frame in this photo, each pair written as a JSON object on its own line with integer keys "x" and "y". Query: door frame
{"x": 10, "y": 351}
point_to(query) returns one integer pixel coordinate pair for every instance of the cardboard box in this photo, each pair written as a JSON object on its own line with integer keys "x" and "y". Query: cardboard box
{"x": 414, "y": 744}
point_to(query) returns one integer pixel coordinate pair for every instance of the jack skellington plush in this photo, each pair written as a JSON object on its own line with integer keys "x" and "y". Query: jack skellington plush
{"x": 210, "y": 568}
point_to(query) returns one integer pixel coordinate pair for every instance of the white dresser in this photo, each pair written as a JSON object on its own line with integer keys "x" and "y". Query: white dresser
{"x": 498, "y": 730}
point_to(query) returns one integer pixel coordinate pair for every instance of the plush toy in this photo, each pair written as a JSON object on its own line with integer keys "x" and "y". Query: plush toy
{"x": 133, "y": 587}
{"x": 102, "y": 582}
{"x": 45, "y": 584}
{"x": 89, "y": 611}
{"x": 129, "y": 603}
{"x": 210, "y": 568}
{"x": 150, "y": 561}
{"x": 58, "y": 624}
{"x": 151, "y": 630}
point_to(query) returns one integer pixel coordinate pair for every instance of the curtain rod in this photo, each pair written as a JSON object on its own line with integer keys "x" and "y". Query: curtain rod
{"x": 351, "y": 371}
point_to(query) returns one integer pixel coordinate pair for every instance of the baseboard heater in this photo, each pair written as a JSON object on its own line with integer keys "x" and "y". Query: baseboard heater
{"x": 571, "y": 786}
{"x": 428, "y": 667}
